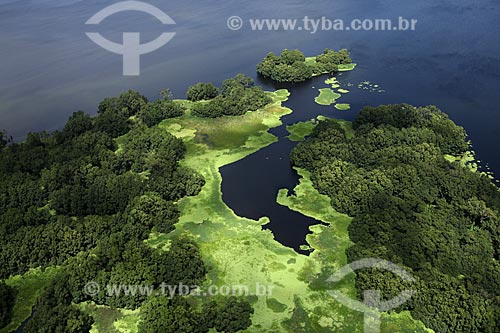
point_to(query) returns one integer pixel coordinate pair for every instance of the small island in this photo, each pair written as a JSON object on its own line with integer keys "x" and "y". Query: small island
{"x": 293, "y": 66}
{"x": 343, "y": 106}
{"x": 327, "y": 97}
{"x": 133, "y": 197}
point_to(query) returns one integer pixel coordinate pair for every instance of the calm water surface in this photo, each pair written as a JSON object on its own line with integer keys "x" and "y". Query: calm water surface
{"x": 49, "y": 69}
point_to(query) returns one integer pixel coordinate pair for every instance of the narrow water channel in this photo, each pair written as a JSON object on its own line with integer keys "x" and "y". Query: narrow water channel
{"x": 250, "y": 186}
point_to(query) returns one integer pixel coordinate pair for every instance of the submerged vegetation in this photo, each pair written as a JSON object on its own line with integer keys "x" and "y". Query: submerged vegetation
{"x": 133, "y": 196}
{"x": 327, "y": 97}
{"x": 342, "y": 106}
{"x": 299, "y": 131}
{"x": 293, "y": 66}
{"x": 299, "y": 301}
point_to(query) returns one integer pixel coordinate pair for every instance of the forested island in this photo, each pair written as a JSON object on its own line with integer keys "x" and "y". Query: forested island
{"x": 293, "y": 66}
{"x": 133, "y": 196}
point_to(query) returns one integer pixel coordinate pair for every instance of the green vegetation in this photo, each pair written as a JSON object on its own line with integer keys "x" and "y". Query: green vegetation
{"x": 162, "y": 314}
{"x": 201, "y": 91}
{"x": 300, "y": 130}
{"x": 311, "y": 61}
{"x": 308, "y": 201}
{"x": 343, "y": 107}
{"x": 85, "y": 199}
{"x": 105, "y": 318}
{"x": 330, "y": 244}
{"x": 137, "y": 263}
{"x": 327, "y": 96}
{"x": 371, "y": 87}
{"x": 153, "y": 113}
{"x": 466, "y": 160}
{"x": 229, "y": 131}
{"x": 228, "y": 315}
{"x": 133, "y": 197}
{"x": 299, "y": 302}
{"x": 293, "y": 66}
{"x": 412, "y": 206}
{"x": 114, "y": 116}
{"x": 275, "y": 305}
{"x": 346, "y": 67}
{"x": 53, "y": 311}
{"x": 28, "y": 288}
{"x": 195, "y": 238}
{"x": 7, "y": 301}
{"x": 73, "y": 186}
{"x": 223, "y": 236}
{"x": 238, "y": 96}
{"x": 333, "y": 82}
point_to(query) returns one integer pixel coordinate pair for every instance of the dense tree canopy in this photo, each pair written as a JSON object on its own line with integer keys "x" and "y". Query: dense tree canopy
{"x": 238, "y": 95}
{"x": 87, "y": 197}
{"x": 291, "y": 65}
{"x": 78, "y": 124}
{"x": 79, "y": 194}
{"x": 161, "y": 314}
{"x": 128, "y": 103}
{"x": 7, "y": 301}
{"x": 413, "y": 207}
{"x": 3, "y": 140}
{"x": 155, "y": 112}
{"x": 201, "y": 91}
{"x": 164, "y": 315}
{"x": 53, "y": 312}
{"x": 228, "y": 315}
{"x": 152, "y": 210}
{"x": 122, "y": 260}
{"x": 114, "y": 113}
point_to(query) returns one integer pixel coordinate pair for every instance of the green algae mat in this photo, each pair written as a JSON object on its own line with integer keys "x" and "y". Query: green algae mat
{"x": 327, "y": 96}
{"x": 239, "y": 252}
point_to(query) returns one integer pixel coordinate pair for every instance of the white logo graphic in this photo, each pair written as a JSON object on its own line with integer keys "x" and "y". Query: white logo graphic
{"x": 372, "y": 305}
{"x": 131, "y": 49}
{"x": 235, "y": 23}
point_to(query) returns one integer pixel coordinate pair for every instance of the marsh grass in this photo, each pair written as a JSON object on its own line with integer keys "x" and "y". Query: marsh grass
{"x": 239, "y": 252}
{"x": 299, "y": 131}
{"x": 327, "y": 96}
{"x": 343, "y": 107}
{"x": 29, "y": 287}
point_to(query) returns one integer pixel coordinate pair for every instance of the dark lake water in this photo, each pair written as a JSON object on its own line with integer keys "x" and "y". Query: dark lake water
{"x": 49, "y": 69}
